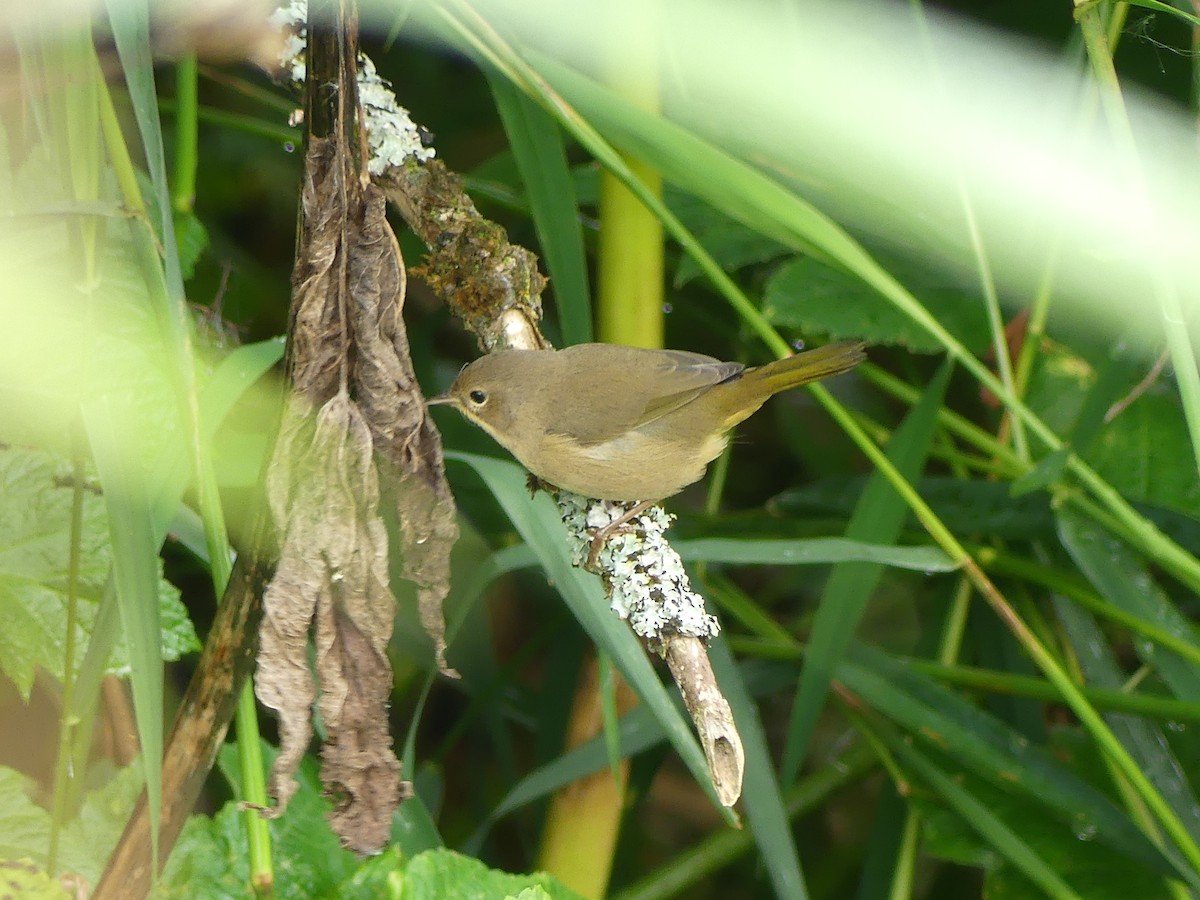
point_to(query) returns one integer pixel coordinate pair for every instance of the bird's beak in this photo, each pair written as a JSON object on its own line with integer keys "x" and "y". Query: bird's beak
{"x": 441, "y": 400}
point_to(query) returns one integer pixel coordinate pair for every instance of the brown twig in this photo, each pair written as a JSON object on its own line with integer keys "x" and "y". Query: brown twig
{"x": 199, "y": 730}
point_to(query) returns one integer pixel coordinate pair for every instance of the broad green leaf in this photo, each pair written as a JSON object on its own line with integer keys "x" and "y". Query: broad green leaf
{"x": 1089, "y": 867}
{"x": 1122, "y": 577}
{"x": 85, "y": 841}
{"x": 976, "y": 810}
{"x": 537, "y": 145}
{"x": 34, "y": 559}
{"x": 878, "y": 517}
{"x": 438, "y": 874}
{"x": 1144, "y": 452}
{"x": 1143, "y": 740}
{"x": 814, "y": 297}
{"x": 25, "y": 880}
{"x": 210, "y": 859}
{"x": 731, "y": 243}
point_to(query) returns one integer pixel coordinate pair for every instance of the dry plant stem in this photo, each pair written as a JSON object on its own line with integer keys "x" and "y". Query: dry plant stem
{"x": 493, "y": 286}
{"x": 199, "y": 730}
{"x": 688, "y": 661}
{"x": 602, "y": 536}
{"x": 1140, "y": 388}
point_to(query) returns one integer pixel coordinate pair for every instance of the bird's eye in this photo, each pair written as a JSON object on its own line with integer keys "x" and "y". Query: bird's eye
{"x": 478, "y": 397}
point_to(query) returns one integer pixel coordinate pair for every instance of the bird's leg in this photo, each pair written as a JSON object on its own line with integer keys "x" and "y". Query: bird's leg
{"x": 600, "y": 538}
{"x": 534, "y": 484}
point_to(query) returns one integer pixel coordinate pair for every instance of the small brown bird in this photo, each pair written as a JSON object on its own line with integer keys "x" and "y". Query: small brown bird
{"x": 624, "y": 423}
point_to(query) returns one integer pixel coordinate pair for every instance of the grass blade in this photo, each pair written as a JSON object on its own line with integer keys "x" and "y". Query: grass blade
{"x": 537, "y": 146}
{"x": 761, "y": 793}
{"x": 135, "y": 571}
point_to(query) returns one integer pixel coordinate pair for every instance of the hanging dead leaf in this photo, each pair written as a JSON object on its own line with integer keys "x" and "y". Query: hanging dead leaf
{"x": 392, "y": 403}
{"x": 332, "y": 574}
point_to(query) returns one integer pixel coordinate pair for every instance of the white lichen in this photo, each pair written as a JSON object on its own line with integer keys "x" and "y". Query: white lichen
{"x": 392, "y": 136}
{"x": 645, "y": 578}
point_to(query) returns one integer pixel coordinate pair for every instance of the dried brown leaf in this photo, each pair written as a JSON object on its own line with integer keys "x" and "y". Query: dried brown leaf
{"x": 332, "y": 571}
{"x": 349, "y": 359}
{"x": 392, "y": 403}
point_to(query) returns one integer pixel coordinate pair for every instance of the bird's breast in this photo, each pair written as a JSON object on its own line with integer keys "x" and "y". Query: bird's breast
{"x": 644, "y": 464}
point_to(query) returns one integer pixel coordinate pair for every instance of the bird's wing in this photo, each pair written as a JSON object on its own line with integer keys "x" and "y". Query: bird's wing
{"x": 690, "y": 375}
{"x": 612, "y": 409}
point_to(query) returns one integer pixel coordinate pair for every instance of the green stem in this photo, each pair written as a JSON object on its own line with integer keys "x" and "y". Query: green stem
{"x": 66, "y": 723}
{"x": 906, "y": 858}
{"x": 183, "y": 191}
{"x": 239, "y": 122}
{"x": 629, "y": 254}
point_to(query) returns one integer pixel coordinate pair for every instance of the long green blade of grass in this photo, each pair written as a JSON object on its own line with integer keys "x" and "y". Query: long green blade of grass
{"x": 761, "y": 792}
{"x": 135, "y": 570}
{"x": 537, "y": 146}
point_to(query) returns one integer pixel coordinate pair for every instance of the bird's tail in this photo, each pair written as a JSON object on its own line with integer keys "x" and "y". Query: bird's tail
{"x": 812, "y": 365}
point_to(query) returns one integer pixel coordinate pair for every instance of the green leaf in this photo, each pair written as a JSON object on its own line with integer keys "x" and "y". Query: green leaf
{"x": 85, "y": 841}
{"x": 637, "y": 730}
{"x": 815, "y": 297}
{"x": 1123, "y": 578}
{"x": 983, "y": 744}
{"x": 135, "y": 572}
{"x": 813, "y": 551}
{"x": 34, "y": 553}
{"x": 731, "y": 243}
{"x": 23, "y": 879}
{"x": 1089, "y": 867}
{"x": 438, "y": 874}
{"x": 537, "y": 145}
{"x": 192, "y": 239}
{"x": 761, "y": 796}
{"x": 981, "y": 814}
{"x": 965, "y": 505}
{"x": 1049, "y": 470}
{"x": 1145, "y": 452}
{"x": 1142, "y": 739}
{"x": 210, "y": 859}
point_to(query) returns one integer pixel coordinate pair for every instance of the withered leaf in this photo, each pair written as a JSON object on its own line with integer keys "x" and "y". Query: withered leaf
{"x": 392, "y": 403}
{"x": 349, "y": 360}
{"x": 332, "y": 572}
